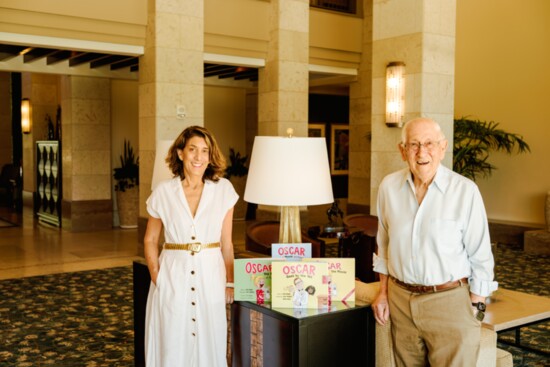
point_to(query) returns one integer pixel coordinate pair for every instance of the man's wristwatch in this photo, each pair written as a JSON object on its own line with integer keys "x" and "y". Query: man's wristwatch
{"x": 480, "y": 307}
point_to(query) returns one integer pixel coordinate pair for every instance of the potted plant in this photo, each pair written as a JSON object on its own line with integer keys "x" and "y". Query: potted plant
{"x": 474, "y": 140}
{"x": 126, "y": 186}
{"x": 236, "y": 172}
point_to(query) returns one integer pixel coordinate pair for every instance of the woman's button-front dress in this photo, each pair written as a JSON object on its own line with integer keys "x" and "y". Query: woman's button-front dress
{"x": 186, "y": 320}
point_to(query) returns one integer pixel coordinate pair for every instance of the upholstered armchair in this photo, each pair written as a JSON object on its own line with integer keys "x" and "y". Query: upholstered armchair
{"x": 9, "y": 182}
{"x": 368, "y": 223}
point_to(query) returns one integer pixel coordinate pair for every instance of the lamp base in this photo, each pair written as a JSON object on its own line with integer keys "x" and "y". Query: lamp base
{"x": 290, "y": 229}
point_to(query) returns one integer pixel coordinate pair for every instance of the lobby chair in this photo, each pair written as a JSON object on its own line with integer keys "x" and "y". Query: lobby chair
{"x": 368, "y": 223}
{"x": 9, "y": 182}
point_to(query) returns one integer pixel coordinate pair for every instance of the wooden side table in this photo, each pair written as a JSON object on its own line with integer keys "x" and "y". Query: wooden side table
{"x": 343, "y": 336}
{"x": 512, "y": 310}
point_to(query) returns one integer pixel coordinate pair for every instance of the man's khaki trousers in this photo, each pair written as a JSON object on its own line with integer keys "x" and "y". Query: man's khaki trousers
{"x": 435, "y": 329}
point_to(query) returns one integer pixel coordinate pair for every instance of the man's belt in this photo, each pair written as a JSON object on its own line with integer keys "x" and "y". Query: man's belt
{"x": 193, "y": 247}
{"x": 430, "y": 288}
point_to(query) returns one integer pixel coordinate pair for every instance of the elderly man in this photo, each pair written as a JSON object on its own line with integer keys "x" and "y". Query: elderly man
{"x": 434, "y": 255}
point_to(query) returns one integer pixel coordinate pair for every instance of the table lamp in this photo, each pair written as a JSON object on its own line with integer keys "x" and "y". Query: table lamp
{"x": 289, "y": 172}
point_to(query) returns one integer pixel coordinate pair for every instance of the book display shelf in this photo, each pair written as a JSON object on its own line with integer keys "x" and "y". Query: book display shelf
{"x": 342, "y": 335}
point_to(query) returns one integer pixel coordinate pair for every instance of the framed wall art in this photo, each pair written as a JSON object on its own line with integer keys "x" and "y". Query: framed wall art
{"x": 316, "y": 130}
{"x": 339, "y": 149}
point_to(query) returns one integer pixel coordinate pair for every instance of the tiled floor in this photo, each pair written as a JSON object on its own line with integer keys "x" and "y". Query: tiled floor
{"x": 35, "y": 249}
{"x": 30, "y": 249}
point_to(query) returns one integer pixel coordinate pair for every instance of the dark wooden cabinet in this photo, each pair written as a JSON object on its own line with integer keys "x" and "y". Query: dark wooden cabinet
{"x": 48, "y": 182}
{"x": 142, "y": 282}
{"x": 343, "y": 336}
{"x": 361, "y": 246}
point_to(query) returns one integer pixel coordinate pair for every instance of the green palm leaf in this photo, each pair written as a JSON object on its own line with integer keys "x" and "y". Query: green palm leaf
{"x": 474, "y": 140}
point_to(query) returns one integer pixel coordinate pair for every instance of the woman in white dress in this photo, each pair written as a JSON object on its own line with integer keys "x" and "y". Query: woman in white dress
{"x": 192, "y": 279}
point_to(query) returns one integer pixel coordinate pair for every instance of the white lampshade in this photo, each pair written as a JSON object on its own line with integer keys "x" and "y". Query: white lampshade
{"x": 161, "y": 171}
{"x": 289, "y": 172}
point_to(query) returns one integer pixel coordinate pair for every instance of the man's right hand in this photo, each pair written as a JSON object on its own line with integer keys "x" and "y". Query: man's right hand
{"x": 381, "y": 309}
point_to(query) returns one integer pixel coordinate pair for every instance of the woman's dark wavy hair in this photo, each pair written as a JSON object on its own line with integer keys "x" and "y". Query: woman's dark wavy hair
{"x": 217, "y": 165}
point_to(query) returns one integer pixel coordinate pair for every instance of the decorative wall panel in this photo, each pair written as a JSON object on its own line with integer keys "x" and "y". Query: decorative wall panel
{"x": 48, "y": 176}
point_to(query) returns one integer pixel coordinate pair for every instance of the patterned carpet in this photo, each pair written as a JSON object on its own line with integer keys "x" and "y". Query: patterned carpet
{"x": 86, "y": 318}
{"x": 529, "y": 273}
{"x": 71, "y": 319}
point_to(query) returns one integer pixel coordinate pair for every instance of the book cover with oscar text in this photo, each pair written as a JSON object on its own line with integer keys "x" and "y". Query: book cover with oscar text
{"x": 341, "y": 278}
{"x": 291, "y": 251}
{"x": 300, "y": 284}
{"x": 253, "y": 280}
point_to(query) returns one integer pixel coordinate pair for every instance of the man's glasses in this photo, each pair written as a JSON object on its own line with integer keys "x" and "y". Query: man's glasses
{"x": 415, "y": 146}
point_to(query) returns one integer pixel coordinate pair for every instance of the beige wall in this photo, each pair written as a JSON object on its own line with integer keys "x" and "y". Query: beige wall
{"x": 120, "y": 21}
{"x": 502, "y": 47}
{"x": 235, "y": 28}
{"x": 225, "y": 110}
{"x": 124, "y": 117}
{"x": 124, "y": 126}
{"x": 502, "y": 74}
{"x": 225, "y": 116}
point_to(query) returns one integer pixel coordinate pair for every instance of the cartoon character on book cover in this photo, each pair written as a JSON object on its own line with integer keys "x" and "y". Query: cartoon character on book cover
{"x": 262, "y": 292}
{"x": 340, "y": 278}
{"x": 299, "y": 294}
{"x": 253, "y": 280}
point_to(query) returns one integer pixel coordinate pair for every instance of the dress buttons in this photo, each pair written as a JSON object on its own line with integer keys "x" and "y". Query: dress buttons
{"x": 193, "y": 288}
{"x": 193, "y": 303}
{"x": 193, "y": 334}
{"x": 192, "y": 272}
{"x": 192, "y": 237}
{"x": 192, "y": 253}
{"x": 193, "y": 319}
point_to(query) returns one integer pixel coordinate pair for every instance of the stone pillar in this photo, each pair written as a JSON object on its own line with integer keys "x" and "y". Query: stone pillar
{"x": 42, "y": 90}
{"x": 284, "y": 82}
{"x": 170, "y": 75}
{"x": 6, "y": 144}
{"x": 360, "y": 110}
{"x": 422, "y": 35}
{"x": 86, "y": 153}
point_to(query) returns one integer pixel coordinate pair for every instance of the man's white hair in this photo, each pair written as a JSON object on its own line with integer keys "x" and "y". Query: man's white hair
{"x": 405, "y": 129}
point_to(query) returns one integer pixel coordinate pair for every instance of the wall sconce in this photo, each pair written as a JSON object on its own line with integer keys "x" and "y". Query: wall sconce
{"x": 395, "y": 93}
{"x": 289, "y": 172}
{"x": 26, "y": 116}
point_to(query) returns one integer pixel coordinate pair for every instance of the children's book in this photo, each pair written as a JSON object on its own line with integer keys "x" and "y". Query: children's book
{"x": 253, "y": 280}
{"x": 341, "y": 278}
{"x": 301, "y": 284}
{"x": 291, "y": 251}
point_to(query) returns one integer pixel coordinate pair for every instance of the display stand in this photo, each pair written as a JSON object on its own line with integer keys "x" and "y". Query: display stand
{"x": 343, "y": 336}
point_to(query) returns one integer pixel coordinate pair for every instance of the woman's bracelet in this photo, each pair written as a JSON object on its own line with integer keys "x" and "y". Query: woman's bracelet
{"x": 229, "y": 285}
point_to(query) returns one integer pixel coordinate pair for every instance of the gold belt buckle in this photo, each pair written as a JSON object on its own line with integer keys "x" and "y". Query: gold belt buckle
{"x": 195, "y": 247}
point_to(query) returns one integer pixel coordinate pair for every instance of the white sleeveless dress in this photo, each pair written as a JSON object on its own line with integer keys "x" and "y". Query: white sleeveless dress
{"x": 186, "y": 321}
